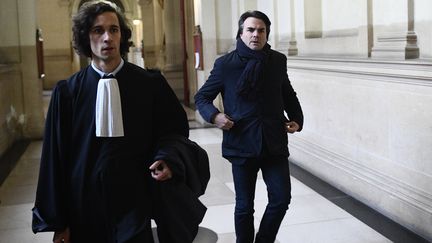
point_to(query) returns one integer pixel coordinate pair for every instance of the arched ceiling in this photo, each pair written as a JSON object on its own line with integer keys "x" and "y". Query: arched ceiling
{"x": 117, "y": 2}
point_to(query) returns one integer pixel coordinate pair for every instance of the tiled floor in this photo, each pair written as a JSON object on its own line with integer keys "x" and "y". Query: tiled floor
{"x": 311, "y": 217}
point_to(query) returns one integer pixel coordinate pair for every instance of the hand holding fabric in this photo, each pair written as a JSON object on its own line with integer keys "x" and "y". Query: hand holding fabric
{"x": 160, "y": 171}
{"x": 223, "y": 121}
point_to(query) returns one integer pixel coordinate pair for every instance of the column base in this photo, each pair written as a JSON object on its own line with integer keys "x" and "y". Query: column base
{"x": 399, "y": 46}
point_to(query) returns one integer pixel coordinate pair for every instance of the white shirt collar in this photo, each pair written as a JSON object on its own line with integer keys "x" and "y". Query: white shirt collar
{"x": 113, "y": 72}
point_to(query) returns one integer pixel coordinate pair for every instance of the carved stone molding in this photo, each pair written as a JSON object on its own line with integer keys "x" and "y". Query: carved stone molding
{"x": 412, "y": 73}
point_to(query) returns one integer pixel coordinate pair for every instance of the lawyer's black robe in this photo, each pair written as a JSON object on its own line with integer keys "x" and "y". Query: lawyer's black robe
{"x": 99, "y": 187}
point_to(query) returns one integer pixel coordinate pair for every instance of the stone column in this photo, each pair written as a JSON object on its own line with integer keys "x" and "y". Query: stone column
{"x": 159, "y": 48}
{"x": 149, "y": 34}
{"x": 205, "y": 17}
{"x": 54, "y": 18}
{"x": 246, "y": 5}
{"x": 173, "y": 42}
{"x": 33, "y": 120}
{"x": 270, "y": 8}
{"x": 369, "y": 27}
{"x": 292, "y": 49}
{"x": 395, "y": 35}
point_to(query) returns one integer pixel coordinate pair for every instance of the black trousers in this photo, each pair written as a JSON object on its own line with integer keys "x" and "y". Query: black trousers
{"x": 276, "y": 175}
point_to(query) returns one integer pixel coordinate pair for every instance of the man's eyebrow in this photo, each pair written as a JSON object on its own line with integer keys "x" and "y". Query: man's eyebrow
{"x": 252, "y": 28}
{"x": 101, "y": 26}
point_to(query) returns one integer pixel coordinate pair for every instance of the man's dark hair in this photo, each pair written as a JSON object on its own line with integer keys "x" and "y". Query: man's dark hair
{"x": 84, "y": 20}
{"x": 255, "y": 14}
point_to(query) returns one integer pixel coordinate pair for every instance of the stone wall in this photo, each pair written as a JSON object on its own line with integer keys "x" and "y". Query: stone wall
{"x": 21, "y": 113}
{"x": 364, "y": 80}
{"x": 54, "y": 20}
{"x": 368, "y": 132}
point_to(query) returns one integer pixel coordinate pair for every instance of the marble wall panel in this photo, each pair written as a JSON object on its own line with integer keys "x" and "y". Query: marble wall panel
{"x": 368, "y": 132}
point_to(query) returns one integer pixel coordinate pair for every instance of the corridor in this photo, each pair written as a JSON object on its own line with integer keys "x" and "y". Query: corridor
{"x": 318, "y": 212}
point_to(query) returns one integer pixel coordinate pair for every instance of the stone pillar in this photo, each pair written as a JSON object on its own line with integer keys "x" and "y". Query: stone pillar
{"x": 292, "y": 49}
{"x": 369, "y": 27}
{"x": 270, "y": 9}
{"x": 173, "y": 42}
{"x": 54, "y": 18}
{"x": 395, "y": 35}
{"x": 224, "y": 26}
{"x": 250, "y": 4}
{"x": 32, "y": 86}
{"x": 190, "y": 27}
{"x": 158, "y": 35}
{"x": 235, "y": 14}
{"x": 148, "y": 29}
{"x": 313, "y": 20}
{"x": 205, "y": 17}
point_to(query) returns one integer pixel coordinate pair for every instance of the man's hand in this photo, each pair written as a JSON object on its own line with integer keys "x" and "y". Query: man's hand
{"x": 62, "y": 236}
{"x": 160, "y": 171}
{"x": 223, "y": 121}
{"x": 292, "y": 127}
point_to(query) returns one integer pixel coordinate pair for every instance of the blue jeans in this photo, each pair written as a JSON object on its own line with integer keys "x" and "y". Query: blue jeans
{"x": 276, "y": 176}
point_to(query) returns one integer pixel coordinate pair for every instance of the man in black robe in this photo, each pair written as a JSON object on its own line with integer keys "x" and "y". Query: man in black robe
{"x": 98, "y": 160}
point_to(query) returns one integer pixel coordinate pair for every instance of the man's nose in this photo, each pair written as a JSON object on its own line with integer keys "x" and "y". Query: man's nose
{"x": 107, "y": 36}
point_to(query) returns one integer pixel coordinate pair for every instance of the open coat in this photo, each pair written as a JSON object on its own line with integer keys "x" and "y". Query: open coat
{"x": 256, "y": 121}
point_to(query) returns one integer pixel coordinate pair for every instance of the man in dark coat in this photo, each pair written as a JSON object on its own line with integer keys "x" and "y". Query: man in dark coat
{"x": 256, "y": 91}
{"x": 99, "y": 161}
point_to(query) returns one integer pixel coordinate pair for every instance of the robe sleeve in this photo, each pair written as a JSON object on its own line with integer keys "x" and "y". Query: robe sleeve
{"x": 170, "y": 119}
{"x": 50, "y": 209}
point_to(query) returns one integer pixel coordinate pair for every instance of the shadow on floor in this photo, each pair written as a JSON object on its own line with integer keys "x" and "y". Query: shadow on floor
{"x": 204, "y": 236}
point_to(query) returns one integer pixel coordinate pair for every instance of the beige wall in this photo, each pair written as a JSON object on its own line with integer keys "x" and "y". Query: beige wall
{"x": 11, "y": 106}
{"x": 367, "y": 132}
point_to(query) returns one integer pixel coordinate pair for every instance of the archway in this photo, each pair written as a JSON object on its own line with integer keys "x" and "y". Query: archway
{"x": 117, "y": 2}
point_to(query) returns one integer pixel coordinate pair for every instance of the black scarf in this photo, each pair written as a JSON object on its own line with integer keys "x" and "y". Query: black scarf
{"x": 248, "y": 84}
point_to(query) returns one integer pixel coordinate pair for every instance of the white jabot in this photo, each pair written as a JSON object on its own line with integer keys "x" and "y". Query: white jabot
{"x": 109, "y": 119}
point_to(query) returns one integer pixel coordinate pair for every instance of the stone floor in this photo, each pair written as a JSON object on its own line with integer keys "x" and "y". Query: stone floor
{"x": 311, "y": 217}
